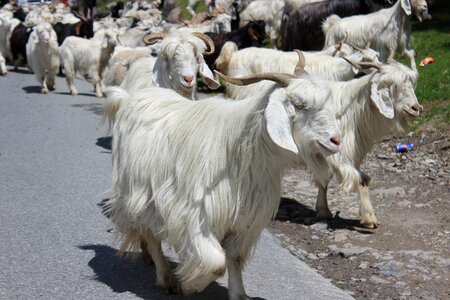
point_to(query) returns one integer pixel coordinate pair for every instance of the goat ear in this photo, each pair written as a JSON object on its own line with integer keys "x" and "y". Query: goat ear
{"x": 358, "y": 57}
{"x": 159, "y": 71}
{"x": 104, "y": 42}
{"x": 207, "y": 75}
{"x": 279, "y": 124}
{"x": 382, "y": 98}
{"x": 406, "y": 5}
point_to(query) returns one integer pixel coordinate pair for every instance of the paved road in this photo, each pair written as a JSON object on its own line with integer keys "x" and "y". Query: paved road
{"x": 54, "y": 241}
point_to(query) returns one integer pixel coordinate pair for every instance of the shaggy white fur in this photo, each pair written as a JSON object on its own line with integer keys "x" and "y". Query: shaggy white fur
{"x": 205, "y": 176}
{"x": 43, "y": 55}
{"x": 367, "y": 109}
{"x": 388, "y": 30}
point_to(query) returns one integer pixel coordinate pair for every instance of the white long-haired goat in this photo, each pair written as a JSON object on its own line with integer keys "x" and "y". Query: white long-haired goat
{"x": 7, "y": 25}
{"x": 43, "y": 55}
{"x": 388, "y": 30}
{"x": 253, "y": 60}
{"x": 367, "y": 109}
{"x": 205, "y": 176}
{"x": 87, "y": 57}
{"x": 176, "y": 67}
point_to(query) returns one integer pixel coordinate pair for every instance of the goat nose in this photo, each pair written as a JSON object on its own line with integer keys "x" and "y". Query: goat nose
{"x": 335, "y": 140}
{"x": 417, "y": 107}
{"x": 188, "y": 79}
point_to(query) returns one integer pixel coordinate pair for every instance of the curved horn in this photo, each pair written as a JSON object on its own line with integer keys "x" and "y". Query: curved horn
{"x": 150, "y": 39}
{"x": 300, "y": 67}
{"x": 280, "y": 78}
{"x": 339, "y": 44}
{"x": 364, "y": 65}
{"x": 207, "y": 40}
{"x": 356, "y": 47}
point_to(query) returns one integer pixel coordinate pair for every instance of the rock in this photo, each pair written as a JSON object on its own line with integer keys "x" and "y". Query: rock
{"x": 404, "y": 203}
{"x": 382, "y": 156}
{"x": 378, "y": 280}
{"x": 315, "y": 237}
{"x": 340, "y": 237}
{"x": 430, "y": 162}
{"x": 312, "y": 256}
{"x": 390, "y": 268}
{"x": 348, "y": 251}
{"x": 396, "y": 191}
{"x": 322, "y": 254}
{"x": 363, "y": 265}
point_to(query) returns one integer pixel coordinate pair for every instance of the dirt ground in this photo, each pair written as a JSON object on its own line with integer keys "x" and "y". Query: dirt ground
{"x": 407, "y": 256}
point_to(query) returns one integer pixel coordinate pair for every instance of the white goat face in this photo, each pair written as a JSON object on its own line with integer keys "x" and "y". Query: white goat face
{"x": 394, "y": 89}
{"x": 420, "y": 9}
{"x": 44, "y": 33}
{"x": 185, "y": 65}
{"x": 313, "y": 123}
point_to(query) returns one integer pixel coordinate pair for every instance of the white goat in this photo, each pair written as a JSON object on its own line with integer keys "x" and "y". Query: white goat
{"x": 122, "y": 59}
{"x": 7, "y": 25}
{"x": 270, "y": 11}
{"x": 388, "y": 30}
{"x": 88, "y": 57}
{"x": 176, "y": 67}
{"x": 43, "y": 55}
{"x": 255, "y": 60}
{"x": 205, "y": 176}
{"x": 367, "y": 109}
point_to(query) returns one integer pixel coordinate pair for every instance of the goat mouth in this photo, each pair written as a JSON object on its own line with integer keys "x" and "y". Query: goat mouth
{"x": 329, "y": 149}
{"x": 412, "y": 112}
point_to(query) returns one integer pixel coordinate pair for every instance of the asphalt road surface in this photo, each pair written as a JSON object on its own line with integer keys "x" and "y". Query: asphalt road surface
{"x": 55, "y": 165}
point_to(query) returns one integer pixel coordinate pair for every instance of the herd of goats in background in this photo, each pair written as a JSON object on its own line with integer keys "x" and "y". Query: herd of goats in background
{"x": 205, "y": 176}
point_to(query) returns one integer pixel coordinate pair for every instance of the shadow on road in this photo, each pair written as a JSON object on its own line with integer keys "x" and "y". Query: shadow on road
{"x": 295, "y": 212}
{"x": 104, "y": 142}
{"x": 132, "y": 275}
{"x": 96, "y": 108}
{"x": 33, "y": 89}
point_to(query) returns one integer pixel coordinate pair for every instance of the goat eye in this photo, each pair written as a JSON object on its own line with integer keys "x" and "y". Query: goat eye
{"x": 299, "y": 105}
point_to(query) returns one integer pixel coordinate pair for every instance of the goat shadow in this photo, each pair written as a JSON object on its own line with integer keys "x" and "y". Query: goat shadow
{"x": 79, "y": 94}
{"x": 105, "y": 142}
{"x": 96, "y": 108}
{"x": 294, "y": 212}
{"x": 134, "y": 276}
{"x": 32, "y": 89}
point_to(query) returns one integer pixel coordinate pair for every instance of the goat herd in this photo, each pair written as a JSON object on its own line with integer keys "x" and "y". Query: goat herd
{"x": 205, "y": 176}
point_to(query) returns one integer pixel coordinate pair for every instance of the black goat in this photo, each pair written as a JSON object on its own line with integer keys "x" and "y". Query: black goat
{"x": 18, "y": 40}
{"x": 302, "y": 28}
{"x": 84, "y": 28}
{"x": 252, "y": 34}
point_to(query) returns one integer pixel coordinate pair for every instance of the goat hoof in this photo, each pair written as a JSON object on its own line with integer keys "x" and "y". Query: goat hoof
{"x": 169, "y": 285}
{"x": 74, "y": 93}
{"x": 239, "y": 297}
{"x": 369, "y": 221}
{"x": 324, "y": 215}
{"x": 147, "y": 258}
{"x": 44, "y": 91}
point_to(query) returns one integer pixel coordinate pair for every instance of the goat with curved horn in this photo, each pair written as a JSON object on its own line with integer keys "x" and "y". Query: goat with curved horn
{"x": 280, "y": 78}
{"x": 207, "y": 40}
{"x": 300, "y": 67}
{"x": 150, "y": 39}
{"x": 364, "y": 65}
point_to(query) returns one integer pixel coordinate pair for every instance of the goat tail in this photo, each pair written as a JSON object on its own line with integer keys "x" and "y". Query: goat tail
{"x": 330, "y": 22}
{"x": 225, "y": 55}
{"x": 115, "y": 97}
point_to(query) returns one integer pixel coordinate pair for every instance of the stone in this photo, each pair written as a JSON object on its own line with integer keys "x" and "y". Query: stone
{"x": 363, "y": 265}
{"x": 378, "y": 280}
